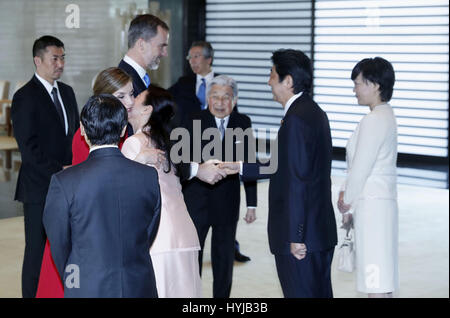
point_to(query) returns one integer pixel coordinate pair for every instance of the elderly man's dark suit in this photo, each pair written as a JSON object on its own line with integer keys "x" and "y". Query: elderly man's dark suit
{"x": 300, "y": 206}
{"x": 44, "y": 148}
{"x": 102, "y": 216}
{"x": 217, "y": 206}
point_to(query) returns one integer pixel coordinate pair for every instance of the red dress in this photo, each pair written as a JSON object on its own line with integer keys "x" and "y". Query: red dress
{"x": 50, "y": 284}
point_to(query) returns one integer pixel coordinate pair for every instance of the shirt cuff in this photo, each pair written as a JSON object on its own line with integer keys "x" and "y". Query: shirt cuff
{"x": 241, "y": 167}
{"x": 251, "y": 207}
{"x": 194, "y": 170}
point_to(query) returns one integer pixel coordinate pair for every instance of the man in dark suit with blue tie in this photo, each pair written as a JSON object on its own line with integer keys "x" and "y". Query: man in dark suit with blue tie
{"x": 148, "y": 38}
{"x": 102, "y": 215}
{"x": 45, "y": 117}
{"x": 190, "y": 90}
{"x": 301, "y": 226}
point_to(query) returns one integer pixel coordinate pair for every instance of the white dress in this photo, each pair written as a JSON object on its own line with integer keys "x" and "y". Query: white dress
{"x": 371, "y": 189}
{"x": 175, "y": 250}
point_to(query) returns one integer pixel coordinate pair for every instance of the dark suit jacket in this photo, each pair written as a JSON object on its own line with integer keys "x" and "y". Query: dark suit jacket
{"x": 219, "y": 203}
{"x": 40, "y": 134}
{"x": 138, "y": 84}
{"x": 300, "y": 206}
{"x": 102, "y": 215}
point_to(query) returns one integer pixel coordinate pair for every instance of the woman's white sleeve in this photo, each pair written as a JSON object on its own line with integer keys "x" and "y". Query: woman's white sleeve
{"x": 131, "y": 147}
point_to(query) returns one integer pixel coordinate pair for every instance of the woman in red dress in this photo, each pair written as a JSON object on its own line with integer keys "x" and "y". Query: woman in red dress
{"x": 109, "y": 81}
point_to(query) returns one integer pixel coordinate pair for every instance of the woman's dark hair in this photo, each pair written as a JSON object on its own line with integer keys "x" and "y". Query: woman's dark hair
{"x": 103, "y": 118}
{"x": 159, "y": 123}
{"x": 294, "y": 63}
{"x": 379, "y": 71}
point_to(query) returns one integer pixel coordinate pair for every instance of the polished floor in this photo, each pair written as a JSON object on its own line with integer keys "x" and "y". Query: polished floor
{"x": 423, "y": 247}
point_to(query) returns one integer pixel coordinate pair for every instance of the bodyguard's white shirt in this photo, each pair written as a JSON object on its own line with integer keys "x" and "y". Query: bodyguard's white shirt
{"x": 139, "y": 69}
{"x": 49, "y": 88}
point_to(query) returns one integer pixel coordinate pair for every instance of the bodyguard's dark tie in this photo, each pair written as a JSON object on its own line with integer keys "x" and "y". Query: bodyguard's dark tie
{"x": 201, "y": 94}
{"x": 58, "y": 105}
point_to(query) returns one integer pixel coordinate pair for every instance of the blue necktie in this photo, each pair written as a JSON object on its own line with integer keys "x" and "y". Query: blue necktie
{"x": 201, "y": 94}
{"x": 146, "y": 80}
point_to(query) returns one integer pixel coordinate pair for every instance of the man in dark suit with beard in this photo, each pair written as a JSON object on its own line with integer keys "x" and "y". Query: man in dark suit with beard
{"x": 102, "y": 215}
{"x": 217, "y": 206}
{"x": 148, "y": 38}
{"x": 45, "y": 117}
{"x": 301, "y": 225}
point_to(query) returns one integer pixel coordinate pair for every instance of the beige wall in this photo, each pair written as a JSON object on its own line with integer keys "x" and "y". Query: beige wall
{"x": 99, "y": 42}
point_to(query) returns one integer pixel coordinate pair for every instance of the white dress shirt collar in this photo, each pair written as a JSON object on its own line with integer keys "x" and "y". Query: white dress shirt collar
{"x": 225, "y": 123}
{"x": 93, "y": 148}
{"x": 47, "y": 85}
{"x": 139, "y": 69}
{"x": 290, "y": 102}
{"x": 208, "y": 77}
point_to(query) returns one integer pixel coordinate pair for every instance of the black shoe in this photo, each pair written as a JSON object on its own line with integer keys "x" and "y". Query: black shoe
{"x": 238, "y": 257}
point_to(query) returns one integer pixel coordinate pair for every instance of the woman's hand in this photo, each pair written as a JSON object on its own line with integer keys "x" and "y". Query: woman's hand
{"x": 343, "y": 208}
{"x": 347, "y": 221}
{"x": 151, "y": 156}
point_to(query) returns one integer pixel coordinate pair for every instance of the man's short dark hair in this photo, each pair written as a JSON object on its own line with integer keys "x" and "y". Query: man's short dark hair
{"x": 144, "y": 26}
{"x": 103, "y": 118}
{"x": 207, "y": 49}
{"x": 41, "y": 44}
{"x": 379, "y": 71}
{"x": 294, "y": 63}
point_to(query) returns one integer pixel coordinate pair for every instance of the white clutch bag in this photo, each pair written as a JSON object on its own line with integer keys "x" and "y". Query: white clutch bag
{"x": 346, "y": 255}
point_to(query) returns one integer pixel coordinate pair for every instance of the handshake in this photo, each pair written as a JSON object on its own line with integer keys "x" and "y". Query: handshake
{"x": 214, "y": 170}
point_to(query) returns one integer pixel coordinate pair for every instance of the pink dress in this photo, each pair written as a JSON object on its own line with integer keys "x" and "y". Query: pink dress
{"x": 174, "y": 252}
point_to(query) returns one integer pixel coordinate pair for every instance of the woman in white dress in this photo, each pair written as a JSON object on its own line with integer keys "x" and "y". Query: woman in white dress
{"x": 370, "y": 188}
{"x": 175, "y": 250}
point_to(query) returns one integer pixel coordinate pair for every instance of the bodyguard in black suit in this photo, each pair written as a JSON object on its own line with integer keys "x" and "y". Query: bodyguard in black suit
{"x": 102, "y": 215}
{"x": 301, "y": 226}
{"x": 45, "y": 117}
{"x": 217, "y": 206}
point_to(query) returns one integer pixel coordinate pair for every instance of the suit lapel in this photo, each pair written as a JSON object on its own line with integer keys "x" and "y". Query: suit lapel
{"x": 48, "y": 103}
{"x": 66, "y": 101}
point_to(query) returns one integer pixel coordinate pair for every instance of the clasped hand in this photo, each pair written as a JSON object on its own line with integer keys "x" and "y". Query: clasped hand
{"x": 213, "y": 170}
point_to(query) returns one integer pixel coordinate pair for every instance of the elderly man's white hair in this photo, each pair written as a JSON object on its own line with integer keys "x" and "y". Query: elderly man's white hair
{"x": 225, "y": 80}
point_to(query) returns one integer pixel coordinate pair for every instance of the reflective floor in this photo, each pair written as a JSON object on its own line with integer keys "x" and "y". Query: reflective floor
{"x": 423, "y": 242}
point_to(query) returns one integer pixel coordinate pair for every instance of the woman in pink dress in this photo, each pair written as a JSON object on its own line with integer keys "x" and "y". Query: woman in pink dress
{"x": 174, "y": 252}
